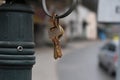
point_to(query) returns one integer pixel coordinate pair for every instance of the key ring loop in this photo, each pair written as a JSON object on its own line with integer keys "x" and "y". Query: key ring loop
{"x": 63, "y": 15}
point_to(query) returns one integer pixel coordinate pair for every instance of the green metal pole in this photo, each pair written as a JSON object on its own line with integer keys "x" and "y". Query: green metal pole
{"x": 16, "y": 42}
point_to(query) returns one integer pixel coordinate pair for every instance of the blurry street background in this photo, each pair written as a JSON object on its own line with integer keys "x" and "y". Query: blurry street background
{"x": 80, "y": 44}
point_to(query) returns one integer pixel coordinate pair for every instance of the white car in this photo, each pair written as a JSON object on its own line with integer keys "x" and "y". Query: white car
{"x": 108, "y": 57}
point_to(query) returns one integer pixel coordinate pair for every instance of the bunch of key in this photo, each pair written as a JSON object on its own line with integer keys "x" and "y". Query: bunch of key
{"x": 55, "y": 32}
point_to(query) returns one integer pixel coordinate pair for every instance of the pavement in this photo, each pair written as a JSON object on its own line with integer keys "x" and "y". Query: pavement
{"x": 45, "y": 67}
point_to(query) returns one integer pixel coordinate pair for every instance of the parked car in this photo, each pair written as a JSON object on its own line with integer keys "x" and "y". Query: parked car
{"x": 108, "y": 57}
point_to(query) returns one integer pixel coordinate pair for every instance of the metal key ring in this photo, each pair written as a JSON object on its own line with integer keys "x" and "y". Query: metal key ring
{"x": 60, "y": 16}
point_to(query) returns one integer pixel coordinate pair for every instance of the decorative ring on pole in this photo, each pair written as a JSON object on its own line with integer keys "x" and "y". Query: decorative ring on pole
{"x": 73, "y": 5}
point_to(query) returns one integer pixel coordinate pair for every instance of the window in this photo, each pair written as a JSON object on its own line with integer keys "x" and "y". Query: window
{"x": 109, "y": 47}
{"x": 112, "y": 47}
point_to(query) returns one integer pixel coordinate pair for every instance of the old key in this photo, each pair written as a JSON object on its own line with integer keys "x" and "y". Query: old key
{"x": 55, "y": 33}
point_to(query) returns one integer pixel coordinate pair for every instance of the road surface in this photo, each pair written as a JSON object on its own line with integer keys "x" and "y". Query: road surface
{"x": 82, "y": 64}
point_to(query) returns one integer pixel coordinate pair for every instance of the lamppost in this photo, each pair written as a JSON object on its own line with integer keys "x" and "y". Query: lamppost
{"x": 16, "y": 41}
